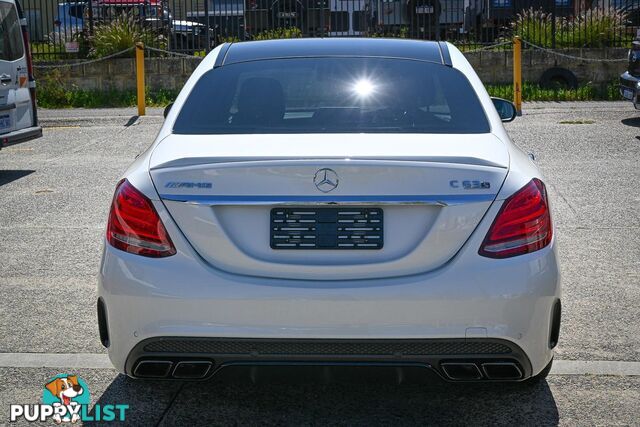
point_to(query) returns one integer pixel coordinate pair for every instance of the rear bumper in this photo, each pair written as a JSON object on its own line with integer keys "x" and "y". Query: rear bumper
{"x": 199, "y": 358}
{"x": 470, "y": 298}
{"x": 629, "y": 89}
{"x": 183, "y": 306}
{"x": 21, "y": 135}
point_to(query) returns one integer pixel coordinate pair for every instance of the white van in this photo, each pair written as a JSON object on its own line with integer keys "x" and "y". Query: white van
{"x": 18, "y": 118}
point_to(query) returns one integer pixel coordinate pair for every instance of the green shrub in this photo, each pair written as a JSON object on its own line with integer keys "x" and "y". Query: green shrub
{"x": 233, "y": 39}
{"x": 53, "y": 93}
{"x": 595, "y": 27}
{"x": 534, "y": 25}
{"x": 279, "y": 33}
{"x": 51, "y": 90}
{"x": 121, "y": 33}
{"x": 43, "y": 51}
{"x": 398, "y": 33}
{"x": 533, "y": 92}
{"x": 160, "y": 97}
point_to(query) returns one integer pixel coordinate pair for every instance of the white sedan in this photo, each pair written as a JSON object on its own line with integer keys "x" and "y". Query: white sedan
{"x": 332, "y": 201}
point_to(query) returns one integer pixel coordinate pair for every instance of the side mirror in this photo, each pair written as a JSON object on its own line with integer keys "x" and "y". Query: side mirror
{"x": 506, "y": 110}
{"x": 165, "y": 113}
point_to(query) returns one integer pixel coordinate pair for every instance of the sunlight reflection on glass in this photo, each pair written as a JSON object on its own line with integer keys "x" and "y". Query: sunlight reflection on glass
{"x": 363, "y": 88}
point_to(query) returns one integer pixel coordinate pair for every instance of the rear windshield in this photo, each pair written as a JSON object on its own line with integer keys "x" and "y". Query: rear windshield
{"x": 332, "y": 95}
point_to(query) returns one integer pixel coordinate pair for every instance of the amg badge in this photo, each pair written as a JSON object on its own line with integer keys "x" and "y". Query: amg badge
{"x": 174, "y": 184}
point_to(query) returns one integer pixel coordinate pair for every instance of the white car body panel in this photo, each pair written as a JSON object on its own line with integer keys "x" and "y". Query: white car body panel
{"x": 510, "y": 299}
{"x": 225, "y": 281}
{"x": 232, "y": 237}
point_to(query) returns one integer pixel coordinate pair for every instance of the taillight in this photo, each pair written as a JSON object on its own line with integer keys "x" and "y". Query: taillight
{"x": 523, "y": 224}
{"x": 134, "y": 225}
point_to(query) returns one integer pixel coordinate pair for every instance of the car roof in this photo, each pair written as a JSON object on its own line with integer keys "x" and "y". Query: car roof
{"x": 431, "y": 51}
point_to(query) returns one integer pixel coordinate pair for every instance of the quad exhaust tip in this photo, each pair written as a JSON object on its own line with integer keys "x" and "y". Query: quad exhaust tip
{"x": 191, "y": 370}
{"x": 187, "y": 369}
{"x": 471, "y": 371}
{"x": 502, "y": 371}
{"x": 153, "y": 369}
{"x": 462, "y": 371}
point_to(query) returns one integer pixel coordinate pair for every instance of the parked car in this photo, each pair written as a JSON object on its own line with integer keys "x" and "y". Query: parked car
{"x": 73, "y": 17}
{"x": 630, "y": 79}
{"x": 70, "y": 17}
{"x": 226, "y": 17}
{"x": 189, "y": 35}
{"x": 337, "y": 200}
{"x": 18, "y": 112}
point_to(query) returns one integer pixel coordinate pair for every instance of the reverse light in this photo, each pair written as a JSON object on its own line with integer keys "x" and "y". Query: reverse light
{"x": 134, "y": 225}
{"x": 523, "y": 224}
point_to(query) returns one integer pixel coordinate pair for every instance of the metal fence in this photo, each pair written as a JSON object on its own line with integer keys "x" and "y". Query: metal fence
{"x": 79, "y": 28}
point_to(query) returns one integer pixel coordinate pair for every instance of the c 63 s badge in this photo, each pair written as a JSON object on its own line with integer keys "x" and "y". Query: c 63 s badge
{"x": 470, "y": 184}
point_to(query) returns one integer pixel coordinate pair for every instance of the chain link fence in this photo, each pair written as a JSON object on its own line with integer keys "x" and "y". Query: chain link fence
{"x": 79, "y": 29}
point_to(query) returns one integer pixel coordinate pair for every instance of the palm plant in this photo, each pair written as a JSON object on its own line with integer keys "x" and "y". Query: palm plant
{"x": 122, "y": 33}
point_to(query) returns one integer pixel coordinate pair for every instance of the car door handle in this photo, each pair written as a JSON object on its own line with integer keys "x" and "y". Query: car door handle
{"x": 5, "y": 79}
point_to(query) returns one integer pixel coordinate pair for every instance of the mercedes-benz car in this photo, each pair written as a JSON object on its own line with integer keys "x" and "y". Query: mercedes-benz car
{"x": 332, "y": 201}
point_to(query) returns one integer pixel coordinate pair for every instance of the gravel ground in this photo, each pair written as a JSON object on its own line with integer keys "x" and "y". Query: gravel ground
{"x": 54, "y": 197}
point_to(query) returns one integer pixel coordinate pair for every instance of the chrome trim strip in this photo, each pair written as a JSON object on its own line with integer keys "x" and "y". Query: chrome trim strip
{"x": 199, "y": 161}
{"x": 433, "y": 200}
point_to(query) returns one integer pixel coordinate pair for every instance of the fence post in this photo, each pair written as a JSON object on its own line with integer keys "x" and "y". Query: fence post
{"x": 517, "y": 74}
{"x": 207, "y": 30}
{"x": 140, "y": 78}
{"x": 90, "y": 6}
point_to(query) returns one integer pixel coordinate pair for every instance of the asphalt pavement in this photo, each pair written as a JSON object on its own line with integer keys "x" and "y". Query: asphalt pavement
{"x": 54, "y": 198}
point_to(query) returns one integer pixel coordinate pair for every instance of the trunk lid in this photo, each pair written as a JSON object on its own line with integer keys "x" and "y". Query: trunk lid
{"x": 226, "y": 191}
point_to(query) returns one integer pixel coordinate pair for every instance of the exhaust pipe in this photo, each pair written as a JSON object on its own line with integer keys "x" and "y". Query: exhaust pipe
{"x": 502, "y": 371}
{"x": 462, "y": 371}
{"x": 153, "y": 369}
{"x": 192, "y": 369}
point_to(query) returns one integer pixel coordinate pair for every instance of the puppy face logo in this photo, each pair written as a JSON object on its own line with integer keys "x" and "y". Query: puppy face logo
{"x": 65, "y": 389}
{"x": 66, "y": 392}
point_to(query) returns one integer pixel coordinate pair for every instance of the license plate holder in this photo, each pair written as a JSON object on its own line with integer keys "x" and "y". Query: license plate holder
{"x": 628, "y": 94}
{"x": 344, "y": 228}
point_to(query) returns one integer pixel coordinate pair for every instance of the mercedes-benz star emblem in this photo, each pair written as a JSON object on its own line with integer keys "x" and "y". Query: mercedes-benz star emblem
{"x": 326, "y": 180}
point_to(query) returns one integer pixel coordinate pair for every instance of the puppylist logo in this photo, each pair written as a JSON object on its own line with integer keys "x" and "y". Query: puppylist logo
{"x": 66, "y": 399}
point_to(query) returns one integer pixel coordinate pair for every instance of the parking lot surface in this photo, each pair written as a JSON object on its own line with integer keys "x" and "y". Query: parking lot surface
{"x": 54, "y": 199}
